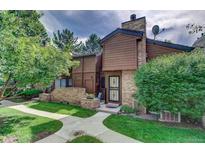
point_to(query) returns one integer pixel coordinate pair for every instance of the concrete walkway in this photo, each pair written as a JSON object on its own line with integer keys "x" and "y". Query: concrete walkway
{"x": 91, "y": 126}
{"x": 7, "y": 103}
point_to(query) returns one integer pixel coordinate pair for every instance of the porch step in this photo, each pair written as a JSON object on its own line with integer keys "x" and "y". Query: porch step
{"x": 35, "y": 99}
{"x": 104, "y": 108}
{"x": 112, "y": 105}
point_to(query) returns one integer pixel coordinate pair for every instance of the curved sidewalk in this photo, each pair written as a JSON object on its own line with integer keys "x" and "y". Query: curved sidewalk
{"x": 92, "y": 126}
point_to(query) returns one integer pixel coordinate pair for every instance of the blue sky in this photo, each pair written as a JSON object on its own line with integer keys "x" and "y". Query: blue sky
{"x": 84, "y": 23}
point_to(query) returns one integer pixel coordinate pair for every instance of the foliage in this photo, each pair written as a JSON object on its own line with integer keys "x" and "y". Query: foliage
{"x": 65, "y": 40}
{"x": 86, "y": 139}
{"x": 92, "y": 45}
{"x": 154, "y": 132}
{"x": 23, "y": 23}
{"x": 127, "y": 109}
{"x": 25, "y": 127}
{"x": 30, "y": 93}
{"x": 62, "y": 109}
{"x": 195, "y": 28}
{"x": 24, "y": 59}
{"x": 1, "y": 82}
{"x": 175, "y": 83}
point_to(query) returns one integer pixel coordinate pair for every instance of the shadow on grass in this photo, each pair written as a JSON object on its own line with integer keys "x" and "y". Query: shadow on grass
{"x": 11, "y": 123}
{"x": 68, "y": 109}
{"x": 45, "y": 129}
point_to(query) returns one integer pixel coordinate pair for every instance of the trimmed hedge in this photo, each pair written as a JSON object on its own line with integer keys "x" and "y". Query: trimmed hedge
{"x": 175, "y": 83}
{"x": 30, "y": 93}
{"x": 127, "y": 109}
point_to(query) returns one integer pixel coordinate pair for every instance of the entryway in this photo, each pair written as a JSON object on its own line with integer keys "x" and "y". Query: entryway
{"x": 114, "y": 89}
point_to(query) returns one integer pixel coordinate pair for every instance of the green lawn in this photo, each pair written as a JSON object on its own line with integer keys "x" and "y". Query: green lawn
{"x": 153, "y": 132}
{"x": 86, "y": 139}
{"x": 62, "y": 109}
{"x": 25, "y": 127}
{"x": 17, "y": 100}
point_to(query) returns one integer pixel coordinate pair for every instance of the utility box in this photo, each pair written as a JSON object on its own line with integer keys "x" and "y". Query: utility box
{"x": 166, "y": 116}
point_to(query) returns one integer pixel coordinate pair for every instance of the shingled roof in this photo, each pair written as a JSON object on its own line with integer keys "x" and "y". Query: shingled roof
{"x": 170, "y": 45}
{"x": 85, "y": 54}
{"x": 122, "y": 31}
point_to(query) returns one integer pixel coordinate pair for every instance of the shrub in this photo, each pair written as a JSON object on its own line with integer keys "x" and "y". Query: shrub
{"x": 175, "y": 83}
{"x": 30, "y": 93}
{"x": 1, "y": 82}
{"x": 127, "y": 109}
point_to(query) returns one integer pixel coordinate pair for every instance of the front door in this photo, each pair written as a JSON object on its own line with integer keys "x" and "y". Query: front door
{"x": 114, "y": 88}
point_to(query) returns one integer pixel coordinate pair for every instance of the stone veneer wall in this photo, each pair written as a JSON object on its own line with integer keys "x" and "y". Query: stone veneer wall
{"x": 69, "y": 94}
{"x": 138, "y": 24}
{"x": 90, "y": 103}
{"x": 128, "y": 88}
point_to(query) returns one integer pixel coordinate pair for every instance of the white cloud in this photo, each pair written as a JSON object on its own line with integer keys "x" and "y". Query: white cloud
{"x": 83, "y": 23}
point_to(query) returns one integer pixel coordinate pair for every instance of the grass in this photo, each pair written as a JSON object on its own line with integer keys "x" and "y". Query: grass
{"x": 86, "y": 139}
{"x": 25, "y": 127}
{"x": 17, "y": 100}
{"x": 152, "y": 131}
{"x": 62, "y": 109}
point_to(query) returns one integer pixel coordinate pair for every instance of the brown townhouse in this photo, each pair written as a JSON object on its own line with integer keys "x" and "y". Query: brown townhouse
{"x": 111, "y": 71}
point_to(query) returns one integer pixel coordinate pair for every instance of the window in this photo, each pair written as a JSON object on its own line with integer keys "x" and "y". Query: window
{"x": 60, "y": 83}
{"x": 70, "y": 82}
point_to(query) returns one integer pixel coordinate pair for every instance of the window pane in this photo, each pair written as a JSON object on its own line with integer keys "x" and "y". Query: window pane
{"x": 63, "y": 82}
{"x": 70, "y": 82}
{"x": 114, "y": 82}
{"x": 57, "y": 83}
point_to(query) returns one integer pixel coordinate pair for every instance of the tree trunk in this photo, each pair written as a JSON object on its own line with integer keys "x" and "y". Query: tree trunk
{"x": 4, "y": 88}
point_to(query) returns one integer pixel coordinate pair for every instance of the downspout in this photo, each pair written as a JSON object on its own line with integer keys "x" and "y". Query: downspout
{"x": 83, "y": 72}
{"x": 137, "y": 53}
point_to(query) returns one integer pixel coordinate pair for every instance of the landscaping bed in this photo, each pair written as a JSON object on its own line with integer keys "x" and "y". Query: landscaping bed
{"x": 154, "y": 132}
{"x": 16, "y": 126}
{"x": 62, "y": 109}
{"x": 85, "y": 139}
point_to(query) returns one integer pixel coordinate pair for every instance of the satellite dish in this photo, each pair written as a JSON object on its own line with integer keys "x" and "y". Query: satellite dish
{"x": 155, "y": 30}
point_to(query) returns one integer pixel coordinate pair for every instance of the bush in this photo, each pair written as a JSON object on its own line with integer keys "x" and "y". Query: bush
{"x": 127, "y": 109}
{"x": 175, "y": 83}
{"x": 30, "y": 93}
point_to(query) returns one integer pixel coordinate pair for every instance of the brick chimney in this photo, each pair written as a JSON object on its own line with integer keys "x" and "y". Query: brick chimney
{"x": 135, "y": 24}
{"x": 138, "y": 25}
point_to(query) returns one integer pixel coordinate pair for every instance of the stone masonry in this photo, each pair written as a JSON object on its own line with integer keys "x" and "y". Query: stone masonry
{"x": 138, "y": 24}
{"x": 90, "y": 103}
{"x": 128, "y": 88}
{"x": 69, "y": 94}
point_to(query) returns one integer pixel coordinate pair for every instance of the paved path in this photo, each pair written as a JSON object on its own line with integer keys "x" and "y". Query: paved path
{"x": 92, "y": 126}
{"x": 6, "y": 103}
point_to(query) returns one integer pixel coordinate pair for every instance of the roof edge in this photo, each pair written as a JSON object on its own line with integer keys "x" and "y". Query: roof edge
{"x": 124, "y": 31}
{"x": 170, "y": 45}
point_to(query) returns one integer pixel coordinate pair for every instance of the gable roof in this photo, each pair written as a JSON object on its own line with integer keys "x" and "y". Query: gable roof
{"x": 170, "y": 45}
{"x": 85, "y": 54}
{"x": 122, "y": 31}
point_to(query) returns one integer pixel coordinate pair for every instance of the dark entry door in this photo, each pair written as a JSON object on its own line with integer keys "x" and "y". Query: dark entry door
{"x": 114, "y": 88}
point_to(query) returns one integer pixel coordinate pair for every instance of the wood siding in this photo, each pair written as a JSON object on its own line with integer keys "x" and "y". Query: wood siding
{"x": 89, "y": 64}
{"x": 86, "y": 74}
{"x": 120, "y": 53}
{"x": 154, "y": 51}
